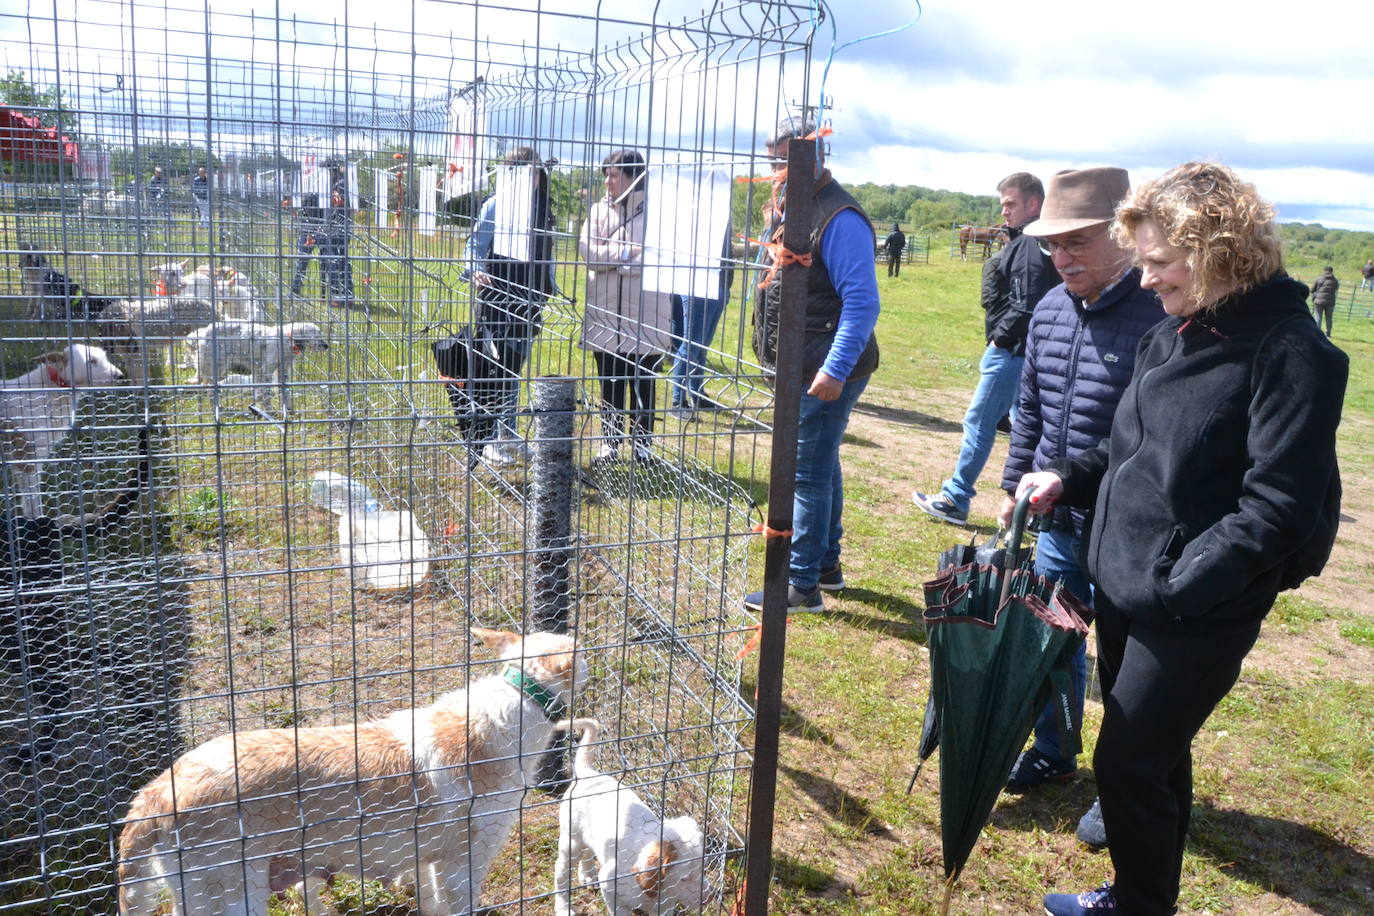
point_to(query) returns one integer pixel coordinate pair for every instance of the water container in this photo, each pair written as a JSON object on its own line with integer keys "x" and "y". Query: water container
{"x": 341, "y": 495}
{"x": 386, "y": 548}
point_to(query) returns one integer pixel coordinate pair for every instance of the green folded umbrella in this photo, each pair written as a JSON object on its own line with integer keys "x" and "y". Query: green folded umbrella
{"x": 1001, "y": 642}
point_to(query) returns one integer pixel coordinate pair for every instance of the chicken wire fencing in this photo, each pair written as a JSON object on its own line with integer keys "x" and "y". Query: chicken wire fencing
{"x": 306, "y": 377}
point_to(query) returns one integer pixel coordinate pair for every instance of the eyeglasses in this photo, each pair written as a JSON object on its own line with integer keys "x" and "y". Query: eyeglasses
{"x": 1074, "y": 247}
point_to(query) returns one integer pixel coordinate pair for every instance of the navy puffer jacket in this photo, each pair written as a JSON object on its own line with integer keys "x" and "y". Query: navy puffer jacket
{"x": 1078, "y": 360}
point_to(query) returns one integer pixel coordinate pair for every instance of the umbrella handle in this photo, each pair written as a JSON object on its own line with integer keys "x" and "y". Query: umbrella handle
{"x": 1018, "y": 529}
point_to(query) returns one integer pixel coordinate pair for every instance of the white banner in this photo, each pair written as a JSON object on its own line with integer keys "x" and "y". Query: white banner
{"x": 464, "y": 170}
{"x": 428, "y": 175}
{"x": 514, "y": 213}
{"x": 381, "y": 183}
{"x": 688, "y": 213}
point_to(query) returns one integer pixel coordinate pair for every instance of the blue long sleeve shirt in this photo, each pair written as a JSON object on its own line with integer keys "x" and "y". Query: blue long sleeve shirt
{"x": 480, "y": 241}
{"x": 847, "y": 247}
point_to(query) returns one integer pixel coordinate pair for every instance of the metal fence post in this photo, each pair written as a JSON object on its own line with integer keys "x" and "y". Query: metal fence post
{"x": 551, "y": 487}
{"x": 799, "y": 203}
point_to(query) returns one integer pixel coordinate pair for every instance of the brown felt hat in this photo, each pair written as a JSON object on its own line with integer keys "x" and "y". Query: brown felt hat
{"x": 1079, "y": 198}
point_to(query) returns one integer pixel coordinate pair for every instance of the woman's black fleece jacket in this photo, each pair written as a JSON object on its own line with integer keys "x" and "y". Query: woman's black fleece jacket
{"x": 1218, "y": 486}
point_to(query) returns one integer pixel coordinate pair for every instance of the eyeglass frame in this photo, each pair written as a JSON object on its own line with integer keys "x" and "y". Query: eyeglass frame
{"x": 1073, "y": 249}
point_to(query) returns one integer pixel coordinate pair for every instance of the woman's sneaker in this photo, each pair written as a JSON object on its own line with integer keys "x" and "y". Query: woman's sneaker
{"x": 1093, "y": 903}
{"x": 1035, "y": 769}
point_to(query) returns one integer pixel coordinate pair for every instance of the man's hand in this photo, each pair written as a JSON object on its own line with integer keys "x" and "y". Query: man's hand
{"x": 825, "y": 387}
{"x": 481, "y": 278}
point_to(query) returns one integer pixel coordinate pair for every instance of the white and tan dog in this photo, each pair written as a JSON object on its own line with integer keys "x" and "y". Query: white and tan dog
{"x": 265, "y": 352}
{"x": 431, "y": 792}
{"x": 641, "y": 864}
{"x": 36, "y": 412}
{"x": 234, "y": 297}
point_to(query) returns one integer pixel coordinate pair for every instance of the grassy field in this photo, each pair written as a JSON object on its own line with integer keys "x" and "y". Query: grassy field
{"x": 1284, "y": 769}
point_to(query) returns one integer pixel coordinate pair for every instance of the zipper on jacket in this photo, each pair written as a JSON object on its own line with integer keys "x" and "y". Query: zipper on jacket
{"x": 1105, "y": 488}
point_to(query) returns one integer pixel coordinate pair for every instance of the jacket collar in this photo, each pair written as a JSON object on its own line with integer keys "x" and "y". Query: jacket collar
{"x": 1118, "y": 291}
{"x": 1278, "y": 297}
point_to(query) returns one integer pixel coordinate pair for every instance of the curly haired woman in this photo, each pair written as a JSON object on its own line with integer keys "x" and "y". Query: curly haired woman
{"x": 1217, "y": 489}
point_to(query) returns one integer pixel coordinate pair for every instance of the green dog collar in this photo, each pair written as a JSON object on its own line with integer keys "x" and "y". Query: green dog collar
{"x": 553, "y": 707}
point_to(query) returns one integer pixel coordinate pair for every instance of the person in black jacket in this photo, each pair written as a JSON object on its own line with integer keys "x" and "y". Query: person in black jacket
{"x": 1324, "y": 290}
{"x": 309, "y": 236}
{"x": 1217, "y": 489}
{"x": 894, "y": 245}
{"x": 1024, "y": 275}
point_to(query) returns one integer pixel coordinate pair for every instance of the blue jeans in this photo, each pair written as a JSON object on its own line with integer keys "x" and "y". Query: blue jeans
{"x": 819, "y": 498}
{"x": 1056, "y": 557}
{"x": 999, "y": 380}
{"x": 695, "y": 329}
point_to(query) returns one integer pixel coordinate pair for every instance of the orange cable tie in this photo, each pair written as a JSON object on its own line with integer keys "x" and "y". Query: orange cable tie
{"x": 763, "y": 529}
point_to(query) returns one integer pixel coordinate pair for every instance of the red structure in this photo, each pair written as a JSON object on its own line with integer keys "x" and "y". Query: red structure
{"x": 25, "y": 139}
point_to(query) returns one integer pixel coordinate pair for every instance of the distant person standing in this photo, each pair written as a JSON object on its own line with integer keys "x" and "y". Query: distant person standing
{"x": 1324, "y": 290}
{"x": 626, "y": 327}
{"x": 338, "y": 271}
{"x": 200, "y": 193}
{"x": 157, "y": 189}
{"x": 1025, "y": 273}
{"x": 895, "y": 244}
{"x": 309, "y": 240}
{"x": 1367, "y": 275}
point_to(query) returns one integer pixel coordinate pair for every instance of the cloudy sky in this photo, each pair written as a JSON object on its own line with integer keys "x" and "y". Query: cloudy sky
{"x": 1284, "y": 93}
{"x": 973, "y": 91}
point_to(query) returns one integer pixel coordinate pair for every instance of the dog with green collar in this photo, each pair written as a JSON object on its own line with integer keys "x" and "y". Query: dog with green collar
{"x": 431, "y": 792}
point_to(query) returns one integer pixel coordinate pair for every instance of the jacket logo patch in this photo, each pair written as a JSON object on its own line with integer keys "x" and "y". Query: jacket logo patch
{"x": 1110, "y": 358}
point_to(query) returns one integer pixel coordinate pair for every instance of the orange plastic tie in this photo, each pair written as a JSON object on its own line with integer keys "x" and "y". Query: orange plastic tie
{"x": 751, "y": 643}
{"x": 763, "y": 529}
{"x": 782, "y": 256}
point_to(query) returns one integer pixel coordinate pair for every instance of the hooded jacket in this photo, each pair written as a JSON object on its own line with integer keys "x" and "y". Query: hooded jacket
{"x": 1324, "y": 290}
{"x": 1218, "y": 487}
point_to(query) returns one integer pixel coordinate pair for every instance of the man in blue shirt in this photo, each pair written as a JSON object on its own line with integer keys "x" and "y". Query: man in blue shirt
{"x": 840, "y": 354}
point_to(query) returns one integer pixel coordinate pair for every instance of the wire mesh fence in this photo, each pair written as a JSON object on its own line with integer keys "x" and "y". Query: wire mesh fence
{"x": 317, "y": 358}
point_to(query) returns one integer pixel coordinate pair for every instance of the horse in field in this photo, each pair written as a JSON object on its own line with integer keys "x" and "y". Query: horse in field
{"x": 986, "y": 236}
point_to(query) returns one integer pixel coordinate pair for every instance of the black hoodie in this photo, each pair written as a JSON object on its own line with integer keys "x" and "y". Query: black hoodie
{"x": 1218, "y": 486}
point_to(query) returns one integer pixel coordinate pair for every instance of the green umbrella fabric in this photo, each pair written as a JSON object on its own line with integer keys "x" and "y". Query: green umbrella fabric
{"x": 994, "y": 661}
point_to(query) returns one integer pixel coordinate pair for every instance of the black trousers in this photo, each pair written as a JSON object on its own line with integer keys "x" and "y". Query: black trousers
{"x": 1158, "y": 689}
{"x": 627, "y": 392}
{"x": 894, "y": 264}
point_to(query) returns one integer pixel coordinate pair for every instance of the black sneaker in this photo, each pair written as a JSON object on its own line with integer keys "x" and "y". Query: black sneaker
{"x": 941, "y": 508}
{"x": 832, "y": 579}
{"x": 1035, "y": 769}
{"x": 797, "y": 601}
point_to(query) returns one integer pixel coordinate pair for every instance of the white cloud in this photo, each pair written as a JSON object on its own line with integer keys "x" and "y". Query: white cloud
{"x": 976, "y": 91}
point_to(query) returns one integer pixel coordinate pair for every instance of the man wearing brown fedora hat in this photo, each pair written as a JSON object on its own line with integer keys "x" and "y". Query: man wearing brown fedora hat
{"x": 1080, "y": 353}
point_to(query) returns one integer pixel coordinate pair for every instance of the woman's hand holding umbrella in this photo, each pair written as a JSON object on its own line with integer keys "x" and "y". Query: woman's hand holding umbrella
{"x": 1048, "y": 489}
